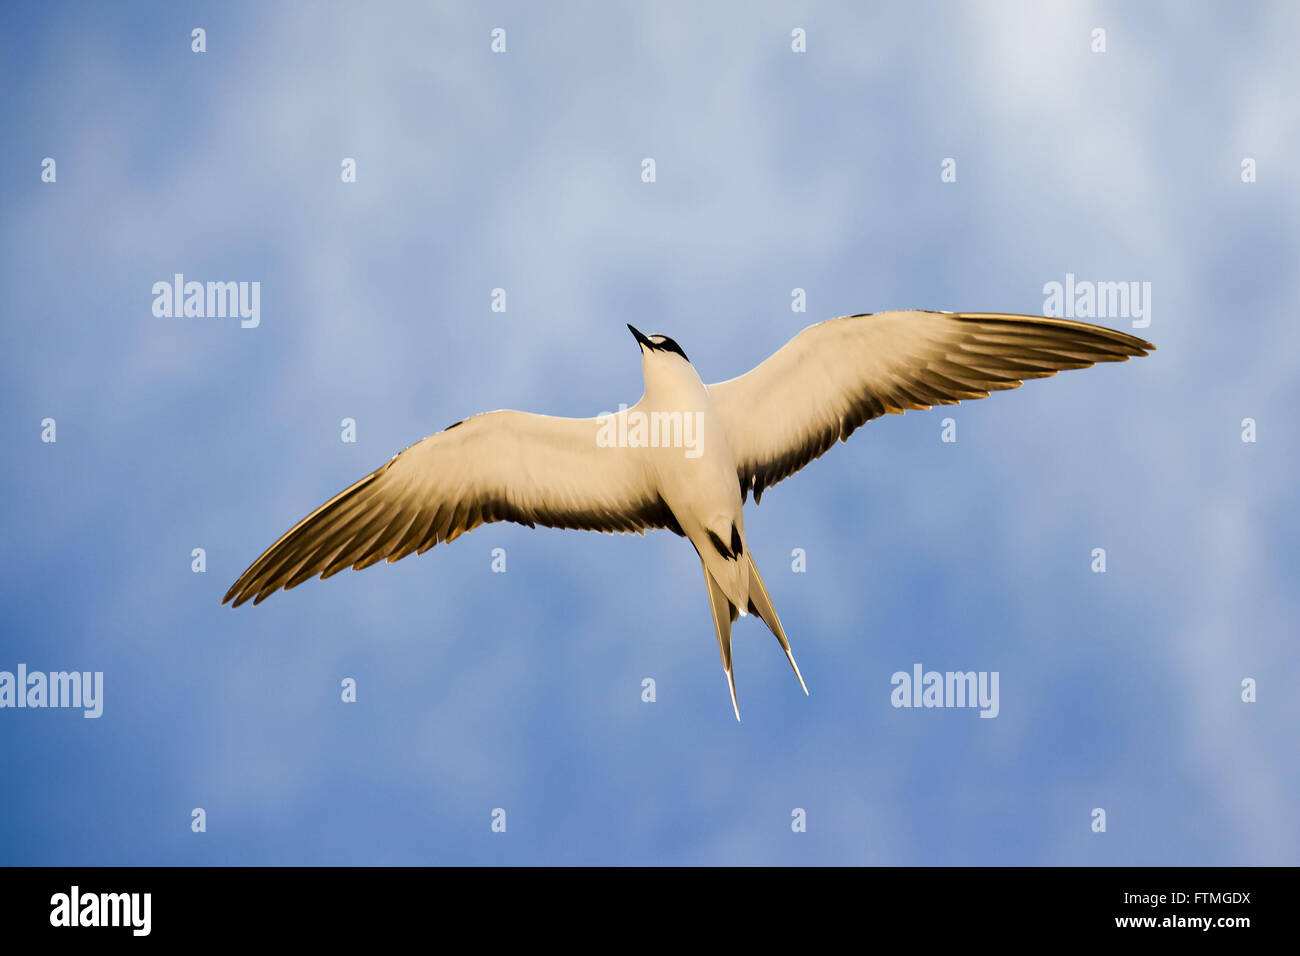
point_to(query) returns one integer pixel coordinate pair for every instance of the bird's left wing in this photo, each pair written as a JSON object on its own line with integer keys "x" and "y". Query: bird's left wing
{"x": 836, "y": 375}
{"x": 498, "y": 466}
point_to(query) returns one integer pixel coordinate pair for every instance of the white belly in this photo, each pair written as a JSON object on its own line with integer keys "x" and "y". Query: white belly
{"x": 698, "y": 481}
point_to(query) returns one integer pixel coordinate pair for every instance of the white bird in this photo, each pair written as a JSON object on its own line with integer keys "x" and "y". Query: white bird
{"x": 610, "y": 473}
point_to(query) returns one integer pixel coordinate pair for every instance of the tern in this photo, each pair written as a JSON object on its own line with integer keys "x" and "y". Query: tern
{"x": 613, "y": 474}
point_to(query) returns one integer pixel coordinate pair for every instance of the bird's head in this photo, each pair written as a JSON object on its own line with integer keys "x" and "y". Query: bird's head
{"x": 658, "y": 348}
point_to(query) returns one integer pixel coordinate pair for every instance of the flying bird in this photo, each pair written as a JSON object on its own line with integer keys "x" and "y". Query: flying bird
{"x": 686, "y": 457}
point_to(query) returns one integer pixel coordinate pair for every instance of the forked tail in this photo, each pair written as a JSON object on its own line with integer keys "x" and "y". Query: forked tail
{"x": 724, "y": 613}
{"x": 761, "y": 604}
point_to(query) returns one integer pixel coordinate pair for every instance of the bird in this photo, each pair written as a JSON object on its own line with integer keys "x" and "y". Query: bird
{"x": 686, "y": 457}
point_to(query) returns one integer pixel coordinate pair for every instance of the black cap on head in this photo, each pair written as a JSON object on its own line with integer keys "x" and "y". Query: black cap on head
{"x": 657, "y": 343}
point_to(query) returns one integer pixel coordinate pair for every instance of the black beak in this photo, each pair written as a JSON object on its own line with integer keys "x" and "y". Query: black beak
{"x": 644, "y": 342}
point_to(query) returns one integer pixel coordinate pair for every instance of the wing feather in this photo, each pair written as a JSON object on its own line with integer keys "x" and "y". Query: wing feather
{"x": 499, "y": 466}
{"x": 837, "y": 375}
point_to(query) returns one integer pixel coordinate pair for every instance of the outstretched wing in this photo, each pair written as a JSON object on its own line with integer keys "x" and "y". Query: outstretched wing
{"x": 498, "y": 466}
{"x": 836, "y": 375}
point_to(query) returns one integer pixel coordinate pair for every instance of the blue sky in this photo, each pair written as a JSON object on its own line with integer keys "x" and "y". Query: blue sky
{"x": 774, "y": 170}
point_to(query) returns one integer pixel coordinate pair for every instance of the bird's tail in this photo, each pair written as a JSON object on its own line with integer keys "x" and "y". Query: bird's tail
{"x": 761, "y": 604}
{"x": 724, "y": 613}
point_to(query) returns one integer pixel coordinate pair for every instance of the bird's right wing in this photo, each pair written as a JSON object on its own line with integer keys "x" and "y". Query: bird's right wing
{"x": 836, "y": 375}
{"x": 498, "y": 466}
